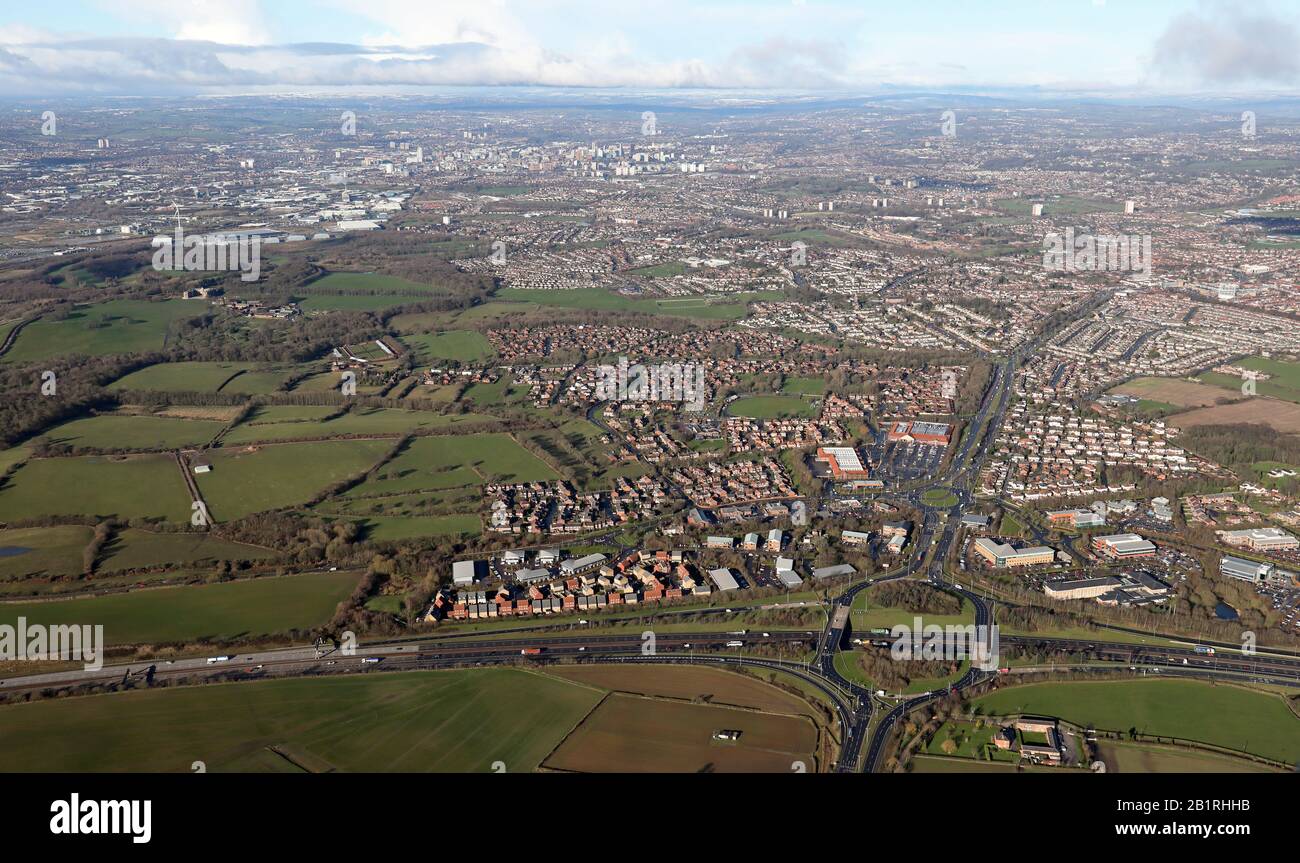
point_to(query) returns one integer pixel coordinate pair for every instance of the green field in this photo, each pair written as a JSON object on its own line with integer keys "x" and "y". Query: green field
{"x": 115, "y": 327}
{"x": 253, "y": 479}
{"x": 503, "y": 393}
{"x": 368, "y": 282}
{"x": 804, "y": 386}
{"x": 770, "y": 407}
{"x": 194, "y": 612}
{"x": 11, "y": 457}
{"x": 205, "y": 378}
{"x": 128, "y": 487}
{"x": 57, "y": 551}
{"x": 1064, "y": 205}
{"x": 50, "y": 551}
{"x": 1226, "y": 716}
{"x": 661, "y": 271}
{"x": 1284, "y": 383}
{"x": 265, "y": 424}
{"x": 462, "y": 345}
{"x": 354, "y": 302}
{"x": 386, "y": 529}
{"x": 728, "y": 307}
{"x": 127, "y": 431}
{"x": 452, "y": 461}
{"x": 140, "y": 549}
{"x": 330, "y": 382}
{"x": 440, "y": 721}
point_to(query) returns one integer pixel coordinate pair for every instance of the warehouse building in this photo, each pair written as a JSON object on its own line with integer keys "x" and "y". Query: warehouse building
{"x": 466, "y": 572}
{"x": 723, "y": 580}
{"x": 844, "y": 462}
{"x": 921, "y": 432}
{"x": 834, "y": 571}
{"x": 582, "y": 565}
{"x": 785, "y": 573}
{"x": 1081, "y": 588}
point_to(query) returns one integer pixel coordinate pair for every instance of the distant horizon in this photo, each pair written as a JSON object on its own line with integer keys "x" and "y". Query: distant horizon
{"x": 1159, "y": 48}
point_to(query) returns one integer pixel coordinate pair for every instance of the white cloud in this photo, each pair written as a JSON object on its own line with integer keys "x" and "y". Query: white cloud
{"x": 233, "y": 22}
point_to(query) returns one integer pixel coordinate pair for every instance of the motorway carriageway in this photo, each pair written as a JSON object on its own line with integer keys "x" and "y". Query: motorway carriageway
{"x": 385, "y": 651}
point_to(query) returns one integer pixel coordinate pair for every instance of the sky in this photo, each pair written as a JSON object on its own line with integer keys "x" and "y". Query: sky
{"x": 164, "y": 47}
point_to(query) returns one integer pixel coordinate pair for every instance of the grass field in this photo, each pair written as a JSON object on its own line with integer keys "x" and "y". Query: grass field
{"x": 1064, "y": 205}
{"x": 56, "y": 551}
{"x": 441, "y": 721}
{"x": 368, "y": 282}
{"x": 728, "y": 307}
{"x": 452, "y": 461}
{"x": 138, "y": 549}
{"x": 210, "y": 377}
{"x": 129, "y": 487}
{"x": 128, "y": 431}
{"x": 770, "y": 407}
{"x": 1283, "y": 383}
{"x": 49, "y": 551}
{"x": 1225, "y": 716}
{"x": 11, "y": 457}
{"x": 390, "y": 528}
{"x": 330, "y": 381}
{"x": 115, "y": 327}
{"x": 629, "y": 734}
{"x": 194, "y": 612}
{"x": 462, "y": 345}
{"x": 804, "y": 386}
{"x": 266, "y": 424}
{"x": 252, "y": 479}
{"x": 354, "y": 302}
{"x": 501, "y": 393}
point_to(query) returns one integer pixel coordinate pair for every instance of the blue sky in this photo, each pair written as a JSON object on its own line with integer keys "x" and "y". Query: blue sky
{"x": 1135, "y": 45}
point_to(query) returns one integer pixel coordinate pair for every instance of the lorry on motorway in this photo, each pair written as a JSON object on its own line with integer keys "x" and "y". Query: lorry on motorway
{"x": 735, "y": 644}
{"x": 1204, "y": 651}
{"x": 213, "y": 660}
{"x": 531, "y": 651}
{"x": 370, "y": 660}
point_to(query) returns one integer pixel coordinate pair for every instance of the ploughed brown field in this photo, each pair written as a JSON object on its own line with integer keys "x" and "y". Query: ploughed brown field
{"x": 686, "y": 682}
{"x": 632, "y": 734}
{"x": 1280, "y": 416}
{"x": 1174, "y": 391}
